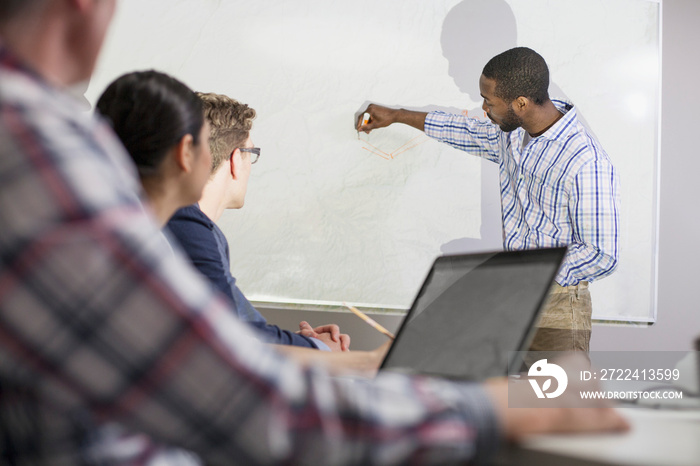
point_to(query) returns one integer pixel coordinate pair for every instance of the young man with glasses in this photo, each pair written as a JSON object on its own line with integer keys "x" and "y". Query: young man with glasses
{"x": 194, "y": 227}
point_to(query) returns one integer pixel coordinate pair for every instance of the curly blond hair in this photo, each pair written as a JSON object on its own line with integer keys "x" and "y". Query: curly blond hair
{"x": 230, "y": 121}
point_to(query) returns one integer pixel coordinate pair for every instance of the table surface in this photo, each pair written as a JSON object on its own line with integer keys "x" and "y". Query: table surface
{"x": 669, "y": 437}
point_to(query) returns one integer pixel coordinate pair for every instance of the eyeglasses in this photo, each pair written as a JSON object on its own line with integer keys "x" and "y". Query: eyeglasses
{"x": 252, "y": 150}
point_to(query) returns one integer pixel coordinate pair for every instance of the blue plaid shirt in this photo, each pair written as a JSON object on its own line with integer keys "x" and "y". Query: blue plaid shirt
{"x": 101, "y": 325}
{"x": 561, "y": 189}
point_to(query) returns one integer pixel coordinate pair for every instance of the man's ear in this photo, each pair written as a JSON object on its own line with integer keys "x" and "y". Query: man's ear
{"x": 184, "y": 153}
{"x": 521, "y": 104}
{"x": 236, "y": 162}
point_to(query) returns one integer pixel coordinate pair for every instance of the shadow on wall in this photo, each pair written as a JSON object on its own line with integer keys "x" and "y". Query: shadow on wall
{"x": 473, "y": 32}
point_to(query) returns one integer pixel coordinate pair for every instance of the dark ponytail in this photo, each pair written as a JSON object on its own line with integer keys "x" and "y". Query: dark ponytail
{"x": 151, "y": 112}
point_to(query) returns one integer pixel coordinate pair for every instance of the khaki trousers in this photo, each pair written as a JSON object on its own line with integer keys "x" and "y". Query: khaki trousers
{"x": 565, "y": 323}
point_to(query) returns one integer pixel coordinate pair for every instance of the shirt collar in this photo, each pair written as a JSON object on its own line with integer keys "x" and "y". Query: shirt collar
{"x": 204, "y": 218}
{"x": 566, "y": 125}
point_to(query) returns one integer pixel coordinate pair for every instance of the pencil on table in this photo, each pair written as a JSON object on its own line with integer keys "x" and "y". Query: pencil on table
{"x": 370, "y": 321}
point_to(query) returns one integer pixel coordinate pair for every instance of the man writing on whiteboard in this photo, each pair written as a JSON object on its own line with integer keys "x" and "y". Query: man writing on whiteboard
{"x": 558, "y": 186}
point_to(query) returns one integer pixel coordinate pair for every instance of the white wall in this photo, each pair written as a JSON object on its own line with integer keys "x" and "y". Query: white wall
{"x": 679, "y": 237}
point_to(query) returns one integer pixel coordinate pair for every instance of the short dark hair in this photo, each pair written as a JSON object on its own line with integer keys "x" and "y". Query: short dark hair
{"x": 151, "y": 112}
{"x": 519, "y": 72}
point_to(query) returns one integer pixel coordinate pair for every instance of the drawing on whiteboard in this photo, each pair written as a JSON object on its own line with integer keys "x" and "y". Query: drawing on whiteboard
{"x": 410, "y": 144}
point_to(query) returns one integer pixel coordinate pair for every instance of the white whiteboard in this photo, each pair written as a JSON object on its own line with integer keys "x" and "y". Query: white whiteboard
{"x": 330, "y": 218}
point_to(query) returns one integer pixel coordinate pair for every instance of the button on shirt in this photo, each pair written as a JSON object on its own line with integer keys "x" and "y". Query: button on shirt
{"x": 559, "y": 189}
{"x": 101, "y": 323}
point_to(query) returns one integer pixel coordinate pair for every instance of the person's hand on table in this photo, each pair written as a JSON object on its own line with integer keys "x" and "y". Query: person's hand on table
{"x": 522, "y": 414}
{"x": 328, "y": 334}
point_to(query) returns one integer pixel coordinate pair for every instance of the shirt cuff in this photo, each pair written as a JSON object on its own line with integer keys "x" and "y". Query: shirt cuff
{"x": 319, "y": 344}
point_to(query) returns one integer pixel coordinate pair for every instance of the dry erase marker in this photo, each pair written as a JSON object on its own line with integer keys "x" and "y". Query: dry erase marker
{"x": 365, "y": 119}
{"x": 370, "y": 321}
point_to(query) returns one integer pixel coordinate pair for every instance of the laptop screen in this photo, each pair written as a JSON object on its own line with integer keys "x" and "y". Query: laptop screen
{"x": 472, "y": 312}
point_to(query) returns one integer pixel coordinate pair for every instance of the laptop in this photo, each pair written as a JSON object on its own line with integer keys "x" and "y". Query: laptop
{"x": 473, "y": 313}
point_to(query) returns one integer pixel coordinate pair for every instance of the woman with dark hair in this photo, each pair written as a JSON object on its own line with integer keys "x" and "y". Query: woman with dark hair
{"x": 161, "y": 123}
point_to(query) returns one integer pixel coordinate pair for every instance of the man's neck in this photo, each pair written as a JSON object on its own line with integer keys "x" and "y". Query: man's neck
{"x": 214, "y": 197}
{"x": 543, "y": 118}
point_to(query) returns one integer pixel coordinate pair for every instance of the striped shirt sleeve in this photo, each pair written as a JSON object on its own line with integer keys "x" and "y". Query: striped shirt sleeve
{"x": 595, "y": 220}
{"x": 463, "y": 133}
